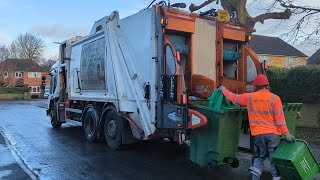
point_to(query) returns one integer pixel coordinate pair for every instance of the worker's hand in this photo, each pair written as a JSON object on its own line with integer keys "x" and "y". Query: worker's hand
{"x": 221, "y": 88}
{"x": 290, "y": 138}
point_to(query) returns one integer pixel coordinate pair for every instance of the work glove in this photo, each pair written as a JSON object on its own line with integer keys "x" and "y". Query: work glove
{"x": 221, "y": 88}
{"x": 290, "y": 138}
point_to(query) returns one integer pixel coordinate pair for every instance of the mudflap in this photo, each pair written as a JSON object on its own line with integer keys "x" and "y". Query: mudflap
{"x": 127, "y": 136}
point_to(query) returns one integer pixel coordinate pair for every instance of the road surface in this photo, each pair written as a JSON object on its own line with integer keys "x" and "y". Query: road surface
{"x": 64, "y": 153}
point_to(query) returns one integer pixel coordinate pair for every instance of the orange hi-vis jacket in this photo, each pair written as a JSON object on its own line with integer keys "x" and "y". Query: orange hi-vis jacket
{"x": 265, "y": 111}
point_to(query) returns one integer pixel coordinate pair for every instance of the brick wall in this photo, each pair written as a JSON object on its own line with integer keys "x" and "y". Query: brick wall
{"x": 30, "y": 81}
{"x": 310, "y": 115}
{"x": 11, "y": 80}
{"x": 35, "y": 81}
{"x": 281, "y": 61}
{"x": 303, "y": 61}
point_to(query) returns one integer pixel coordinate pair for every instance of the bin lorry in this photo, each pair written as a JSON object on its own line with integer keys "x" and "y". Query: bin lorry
{"x": 136, "y": 78}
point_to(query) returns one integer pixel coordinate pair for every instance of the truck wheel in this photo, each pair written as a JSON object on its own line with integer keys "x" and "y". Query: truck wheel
{"x": 54, "y": 121}
{"x": 90, "y": 126}
{"x": 113, "y": 127}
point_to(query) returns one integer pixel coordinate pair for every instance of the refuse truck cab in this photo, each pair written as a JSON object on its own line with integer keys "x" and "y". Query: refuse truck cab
{"x": 142, "y": 76}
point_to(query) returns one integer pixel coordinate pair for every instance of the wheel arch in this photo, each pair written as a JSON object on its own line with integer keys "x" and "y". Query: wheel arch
{"x": 88, "y": 105}
{"x": 126, "y": 136}
{"x": 50, "y": 106}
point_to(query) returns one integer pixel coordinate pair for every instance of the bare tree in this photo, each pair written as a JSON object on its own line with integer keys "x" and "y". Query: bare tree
{"x": 287, "y": 8}
{"x": 27, "y": 46}
{"x": 13, "y": 51}
{"x": 4, "y": 52}
{"x": 7, "y": 74}
{"x": 47, "y": 64}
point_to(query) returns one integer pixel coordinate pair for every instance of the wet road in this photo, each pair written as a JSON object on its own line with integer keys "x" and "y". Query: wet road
{"x": 64, "y": 153}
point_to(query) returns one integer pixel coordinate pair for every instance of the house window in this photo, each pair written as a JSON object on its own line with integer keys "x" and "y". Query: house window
{"x": 298, "y": 62}
{"x": 34, "y": 74}
{"x": 289, "y": 62}
{"x": 262, "y": 58}
{"x": 5, "y": 74}
{"x": 18, "y": 74}
{"x": 34, "y": 89}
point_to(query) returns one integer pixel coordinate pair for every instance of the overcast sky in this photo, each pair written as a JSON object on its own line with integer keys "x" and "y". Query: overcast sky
{"x": 57, "y": 20}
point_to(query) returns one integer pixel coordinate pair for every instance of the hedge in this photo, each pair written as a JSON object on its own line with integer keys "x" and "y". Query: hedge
{"x": 300, "y": 84}
{"x": 13, "y": 90}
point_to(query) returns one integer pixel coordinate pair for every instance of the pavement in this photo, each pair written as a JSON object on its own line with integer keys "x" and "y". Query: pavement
{"x": 46, "y": 153}
{"x": 9, "y": 166}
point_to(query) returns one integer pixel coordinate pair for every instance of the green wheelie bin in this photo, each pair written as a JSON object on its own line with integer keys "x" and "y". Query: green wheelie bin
{"x": 290, "y": 112}
{"x": 295, "y": 161}
{"x": 216, "y": 143}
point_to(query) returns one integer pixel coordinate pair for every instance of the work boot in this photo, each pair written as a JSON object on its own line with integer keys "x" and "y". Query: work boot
{"x": 276, "y": 178}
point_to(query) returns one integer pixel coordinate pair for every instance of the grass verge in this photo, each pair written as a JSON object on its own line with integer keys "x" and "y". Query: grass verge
{"x": 311, "y": 135}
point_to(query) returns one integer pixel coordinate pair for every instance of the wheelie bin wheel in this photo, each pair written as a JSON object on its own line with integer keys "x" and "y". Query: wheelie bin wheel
{"x": 235, "y": 163}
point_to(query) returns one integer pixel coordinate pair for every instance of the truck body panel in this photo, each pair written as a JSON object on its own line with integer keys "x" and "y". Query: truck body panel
{"x": 205, "y": 41}
{"x": 107, "y": 66}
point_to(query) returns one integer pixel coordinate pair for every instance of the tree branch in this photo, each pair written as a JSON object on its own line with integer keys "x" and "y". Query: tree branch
{"x": 273, "y": 15}
{"x": 248, "y": 22}
{"x": 193, "y": 7}
{"x": 291, "y": 6}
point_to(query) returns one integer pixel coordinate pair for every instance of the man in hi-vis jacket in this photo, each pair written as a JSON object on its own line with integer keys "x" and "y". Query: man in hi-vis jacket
{"x": 266, "y": 120}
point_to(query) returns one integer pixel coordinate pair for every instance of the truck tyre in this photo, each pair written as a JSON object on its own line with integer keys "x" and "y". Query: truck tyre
{"x": 90, "y": 124}
{"x": 113, "y": 128}
{"x": 53, "y": 117}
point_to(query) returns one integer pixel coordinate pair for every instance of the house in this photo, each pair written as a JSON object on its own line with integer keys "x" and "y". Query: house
{"x": 315, "y": 58}
{"x": 23, "y": 73}
{"x": 277, "y": 52}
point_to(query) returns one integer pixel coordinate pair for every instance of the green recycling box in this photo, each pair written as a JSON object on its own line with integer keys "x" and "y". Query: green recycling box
{"x": 295, "y": 161}
{"x": 217, "y": 142}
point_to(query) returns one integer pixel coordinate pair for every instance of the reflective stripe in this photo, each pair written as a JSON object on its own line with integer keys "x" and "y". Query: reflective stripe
{"x": 250, "y": 102}
{"x": 237, "y": 99}
{"x": 260, "y": 112}
{"x": 278, "y": 112}
{"x": 255, "y": 171}
{"x": 229, "y": 96}
{"x": 281, "y": 123}
{"x": 273, "y": 98}
{"x": 267, "y": 123}
{"x": 262, "y": 123}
